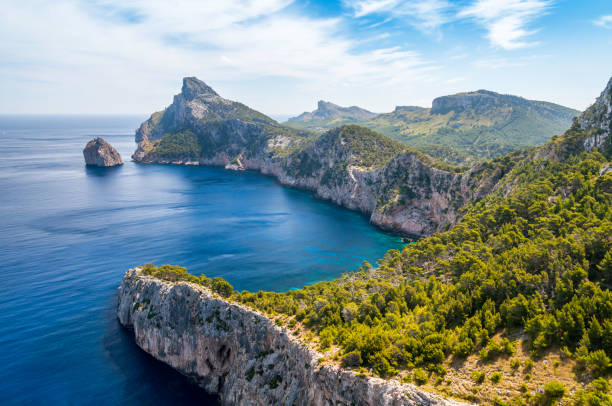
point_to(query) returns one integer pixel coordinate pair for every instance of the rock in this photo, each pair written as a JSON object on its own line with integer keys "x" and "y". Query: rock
{"x": 98, "y": 152}
{"x": 407, "y": 194}
{"x": 241, "y": 354}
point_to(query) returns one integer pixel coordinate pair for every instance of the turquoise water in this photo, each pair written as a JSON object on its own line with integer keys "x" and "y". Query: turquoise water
{"x": 68, "y": 233}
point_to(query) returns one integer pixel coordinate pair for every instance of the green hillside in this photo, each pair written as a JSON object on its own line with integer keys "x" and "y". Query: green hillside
{"x": 463, "y": 128}
{"x": 511, "y": 306}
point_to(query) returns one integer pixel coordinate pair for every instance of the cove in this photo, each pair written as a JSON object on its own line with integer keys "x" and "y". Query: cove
{"x": 68, "y": 233}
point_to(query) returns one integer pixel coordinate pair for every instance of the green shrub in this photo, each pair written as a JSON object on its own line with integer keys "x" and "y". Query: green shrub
{"x": 222, "y": 287}
{"x": 352, "y": 359}
{"x": 554, "y": 391}
{"x": 419, "y": 376}
{"x": 496, "y": 377}
{"x": 478, "y": 376}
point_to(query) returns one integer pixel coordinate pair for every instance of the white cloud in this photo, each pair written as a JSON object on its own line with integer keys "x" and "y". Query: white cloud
{"x": 506, "y": 20}
{"x": 425, "y": 15}
{"x": 116, "y": 50}
{"x": 604, "y": 21}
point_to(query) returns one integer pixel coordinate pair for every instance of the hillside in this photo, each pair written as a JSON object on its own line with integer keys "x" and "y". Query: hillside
{"x": 462, "y": 128}
{"x": 510, "y": 306}
{"x": 329, "y": 115}
{"x": 399, "y": 188}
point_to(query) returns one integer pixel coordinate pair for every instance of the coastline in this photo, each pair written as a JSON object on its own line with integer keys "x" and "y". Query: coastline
{"x": 243, "y": 355}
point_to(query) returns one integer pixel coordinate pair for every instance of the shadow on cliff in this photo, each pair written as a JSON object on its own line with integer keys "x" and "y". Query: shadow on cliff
{"x": 151, "y": 382}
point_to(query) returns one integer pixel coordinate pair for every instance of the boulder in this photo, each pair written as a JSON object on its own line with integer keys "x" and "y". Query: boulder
{"x": 98, "y": 152}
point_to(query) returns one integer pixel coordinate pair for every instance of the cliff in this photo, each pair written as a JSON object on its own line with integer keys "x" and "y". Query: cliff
{"x": 98, "y": 152}
{"x": 242, "y": 355}
{"x": 400, "y": 189}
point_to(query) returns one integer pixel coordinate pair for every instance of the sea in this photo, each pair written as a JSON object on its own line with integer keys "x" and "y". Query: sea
{"x": 69, "y": 232}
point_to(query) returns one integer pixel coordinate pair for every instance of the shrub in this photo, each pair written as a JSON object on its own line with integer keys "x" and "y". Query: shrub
{"x": 222, "y": 287}
{"x": 515, "y": 363}
{"x": 596, "y": 394}
{"x": 553, "y": 391}
{"x": 478, "y": 376}
{"x": 496, "y": 377}
{"x": 352, "y": 359}
{"x": 597, "y": 362}
{"x": 419, "y": 376}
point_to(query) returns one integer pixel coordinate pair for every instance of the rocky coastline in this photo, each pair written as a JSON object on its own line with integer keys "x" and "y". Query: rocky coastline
{"x": 242, "y": 355}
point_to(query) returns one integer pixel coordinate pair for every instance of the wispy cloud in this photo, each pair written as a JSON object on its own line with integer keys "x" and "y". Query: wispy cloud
{"x": 604, "y": 21}
{"x": 425, "y": 15}
{"x": 506, "y": 21}
{"x": 153, "y": 40}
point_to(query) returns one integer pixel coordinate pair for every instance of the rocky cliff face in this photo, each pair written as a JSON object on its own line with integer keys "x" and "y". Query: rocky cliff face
{"x": 402, "y": 192}
{"x": 98, "y": 152}
{"x": 597, "y": 120}
{"x": 241, "y": 354}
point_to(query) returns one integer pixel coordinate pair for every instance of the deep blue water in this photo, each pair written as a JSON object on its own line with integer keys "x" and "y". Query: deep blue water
{"x": 68, "y": 233}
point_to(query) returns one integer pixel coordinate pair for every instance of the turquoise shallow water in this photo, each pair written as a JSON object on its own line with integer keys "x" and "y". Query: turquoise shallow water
{"x": 68, "y": 233}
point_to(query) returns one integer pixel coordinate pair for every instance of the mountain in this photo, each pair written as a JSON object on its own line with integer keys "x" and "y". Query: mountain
{"x": 328, "y": 115}
{"x": 463, "y": 128}
{"x": 510, "y": 305}
{"x": 400, "y": 189}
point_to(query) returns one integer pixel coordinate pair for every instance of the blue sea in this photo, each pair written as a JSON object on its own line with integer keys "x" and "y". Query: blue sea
{"x": 68, "y": 233}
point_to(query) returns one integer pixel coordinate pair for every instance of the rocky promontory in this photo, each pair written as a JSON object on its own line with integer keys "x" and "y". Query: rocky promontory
{"x": 98, "y": 152}
{"x": 400, "y": 189}
{"x": 241, "y": 354}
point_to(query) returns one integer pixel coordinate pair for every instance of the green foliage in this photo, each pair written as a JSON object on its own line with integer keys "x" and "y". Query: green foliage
{"x": 496, "y": 377}
{"x": 419, "y": 376}
{"x": 553, "y": 391}
{"x": 478, "y": 376}
{"x": 533, "y": 255}
{"x": 466, "y": 135}
{"x": 597, "y": 394}
{"x": 221, "y": 286}
{"x": 180, "y": 145}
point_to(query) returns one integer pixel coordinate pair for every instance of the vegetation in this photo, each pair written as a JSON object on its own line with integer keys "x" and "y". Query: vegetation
{"x": 462, "y": 136}
{"x": 534, "y": 256}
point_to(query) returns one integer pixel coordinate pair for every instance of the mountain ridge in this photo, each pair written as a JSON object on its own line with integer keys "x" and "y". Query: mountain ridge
{"x": 407, "y": 192}
{"x": 462, "y": 128}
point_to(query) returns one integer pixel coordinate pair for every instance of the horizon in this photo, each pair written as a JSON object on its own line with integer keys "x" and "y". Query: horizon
{"x": 281, "y": 56}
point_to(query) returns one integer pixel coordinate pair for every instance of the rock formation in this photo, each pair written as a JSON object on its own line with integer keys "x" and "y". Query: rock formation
{"x": 405, "y": 192}
{"x": 242, "y": 355}
{"x": 98, "y": 152}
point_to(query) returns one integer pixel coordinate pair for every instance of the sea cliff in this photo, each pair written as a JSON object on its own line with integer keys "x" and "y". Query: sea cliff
{"x": 241, "y": 354}
{"x": 400, "y": 189}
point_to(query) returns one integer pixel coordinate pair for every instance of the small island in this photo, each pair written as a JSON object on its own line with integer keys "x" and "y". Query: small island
{"x": 98, "y": 152}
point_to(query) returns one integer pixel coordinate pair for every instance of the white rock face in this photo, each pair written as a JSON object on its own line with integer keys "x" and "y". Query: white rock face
{"x": 598, "y": 119}
{"x": 241, "y": 354}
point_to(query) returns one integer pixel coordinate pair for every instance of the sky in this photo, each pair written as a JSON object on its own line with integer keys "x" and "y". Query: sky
{"x": 282, "y": 56}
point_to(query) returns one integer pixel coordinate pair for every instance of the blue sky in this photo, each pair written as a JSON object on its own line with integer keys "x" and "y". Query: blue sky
{"x": 281, "y": 56}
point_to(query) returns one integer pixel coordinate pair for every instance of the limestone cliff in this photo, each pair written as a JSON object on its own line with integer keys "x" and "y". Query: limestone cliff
{"x": 241, "y": 354}
{"x": 399, "y": 189}
{"x": 98, "y": 152}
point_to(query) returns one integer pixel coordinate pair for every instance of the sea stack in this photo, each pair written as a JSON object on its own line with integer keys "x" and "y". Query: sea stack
{"x": 98, "y": 152}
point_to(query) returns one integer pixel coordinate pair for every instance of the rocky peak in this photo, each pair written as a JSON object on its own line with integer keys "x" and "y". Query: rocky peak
{"x": 598, "y": 119}
{"x": 98, "y": 152}
{"x": 194, "y": 87}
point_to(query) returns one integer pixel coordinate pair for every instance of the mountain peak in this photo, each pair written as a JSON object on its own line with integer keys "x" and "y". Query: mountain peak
{"x": 325, "y": 105}
{"x": 193, "y": 87}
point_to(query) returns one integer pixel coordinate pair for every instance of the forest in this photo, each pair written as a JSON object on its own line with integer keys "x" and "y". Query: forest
{"x": 528, "y": 266}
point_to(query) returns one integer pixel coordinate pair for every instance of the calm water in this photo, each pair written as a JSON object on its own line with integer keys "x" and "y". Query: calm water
{"x": 68, "y": 233}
